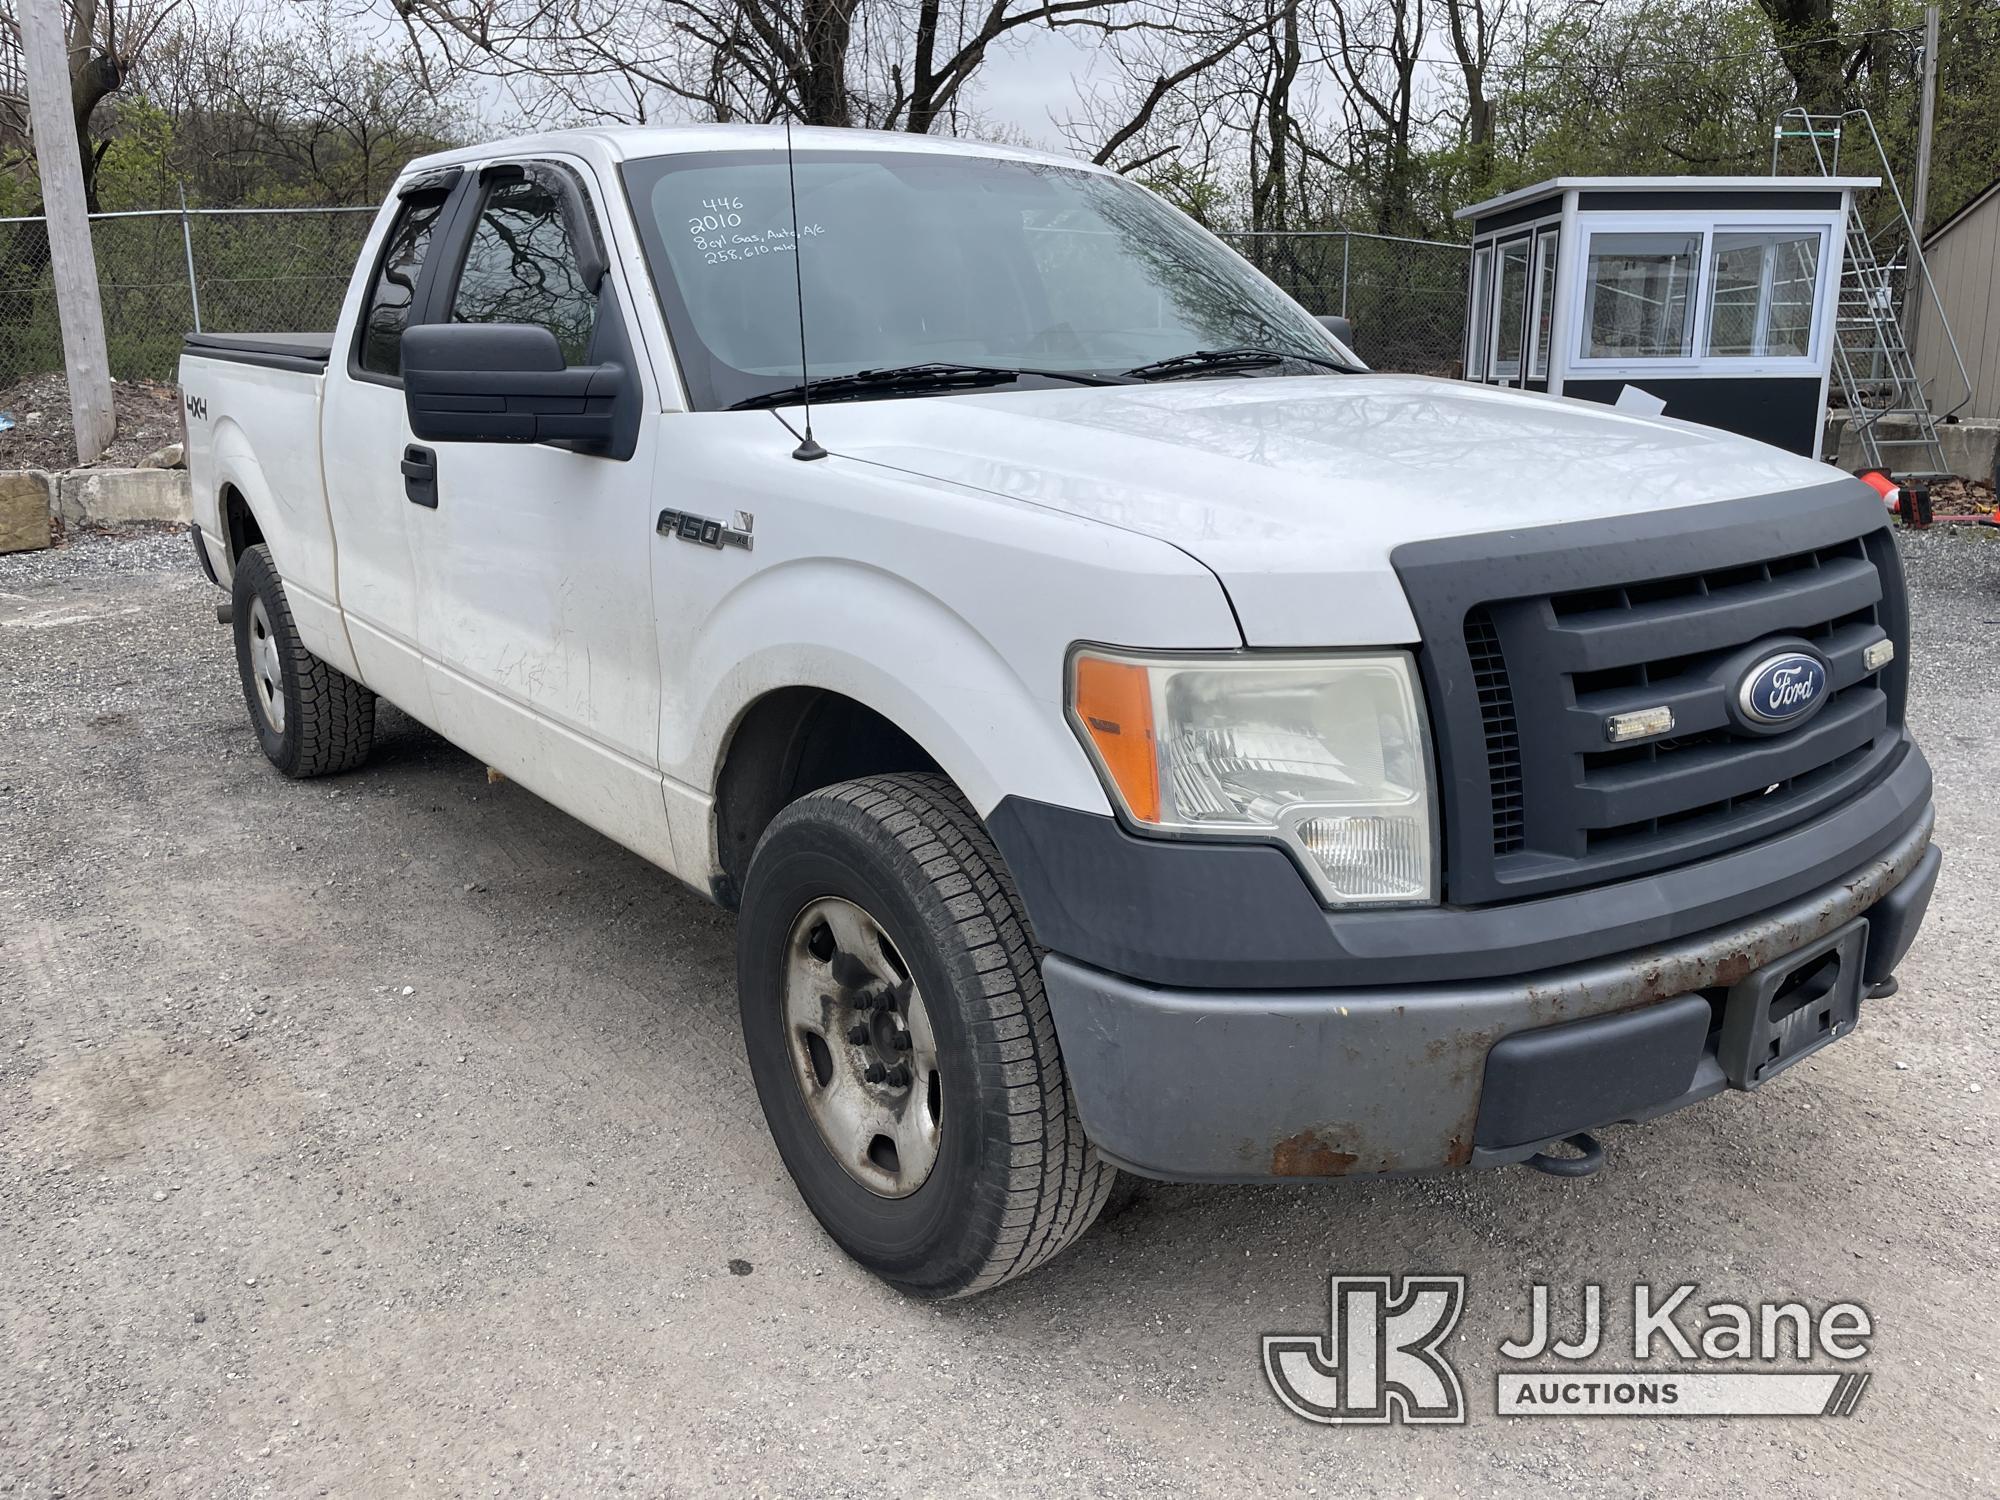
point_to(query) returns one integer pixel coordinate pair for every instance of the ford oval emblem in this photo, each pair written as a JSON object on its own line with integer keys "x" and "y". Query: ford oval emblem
{"x": 1780, "y": 689}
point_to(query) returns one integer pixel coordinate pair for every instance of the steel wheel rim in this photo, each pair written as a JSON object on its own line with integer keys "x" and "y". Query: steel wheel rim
{"x": 844, "y": 978}
{"x": 267, "y": 669}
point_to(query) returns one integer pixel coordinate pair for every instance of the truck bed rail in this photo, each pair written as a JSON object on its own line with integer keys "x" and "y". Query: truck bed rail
{"x": 307, "y": 353}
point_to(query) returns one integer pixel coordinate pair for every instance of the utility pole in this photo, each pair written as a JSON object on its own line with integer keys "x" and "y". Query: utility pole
{"x": 1915, "y": 276}
{"x": 51, "y": 113}
{"x": 1926, "y": 119}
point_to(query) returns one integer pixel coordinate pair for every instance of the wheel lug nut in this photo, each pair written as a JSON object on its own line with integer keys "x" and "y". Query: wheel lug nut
{"x": 900, "y": 1041}
{"x": 858, "y": 1034}
{"x": 876, "y": 1073}
{"x": 898, "y": 1077}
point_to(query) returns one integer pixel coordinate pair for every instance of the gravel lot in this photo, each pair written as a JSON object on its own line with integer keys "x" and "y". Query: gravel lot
{"x": 392, "y": 1135}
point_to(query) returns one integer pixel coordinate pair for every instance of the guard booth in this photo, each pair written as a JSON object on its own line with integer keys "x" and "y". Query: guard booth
{"x": 1708, "y": 298}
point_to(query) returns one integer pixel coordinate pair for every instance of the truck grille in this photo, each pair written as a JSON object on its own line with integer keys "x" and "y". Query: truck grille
{"x": 1503, "y": 735}
{"x": 1530, "y": 645}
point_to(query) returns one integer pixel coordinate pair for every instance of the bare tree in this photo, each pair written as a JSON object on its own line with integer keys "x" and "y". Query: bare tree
{"x": 1375, "y": 50}
{"x": 1475, "y": 33}
{"x": 106, "y": 41}
{"x": 292, "y": 105}
{"x": 1808, "y": 34}
{"x": 1272, "y": 144}
{"x": 888, "y": 64}
{"x": 1179, "y": 91}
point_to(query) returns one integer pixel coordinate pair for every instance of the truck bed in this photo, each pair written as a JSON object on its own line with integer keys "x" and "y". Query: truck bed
{"x": 305, "y": 352}
{"x": 253, "y": 431}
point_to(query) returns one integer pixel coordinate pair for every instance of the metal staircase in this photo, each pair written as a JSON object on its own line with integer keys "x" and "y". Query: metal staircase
{"x": 1872, "y": 364}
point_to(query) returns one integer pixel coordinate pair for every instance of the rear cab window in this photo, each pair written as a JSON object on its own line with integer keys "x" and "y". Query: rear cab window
{"x": 393, "y": 289}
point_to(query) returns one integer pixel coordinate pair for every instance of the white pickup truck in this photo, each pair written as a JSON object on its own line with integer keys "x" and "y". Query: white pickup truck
{"x": 1132, "y": 734}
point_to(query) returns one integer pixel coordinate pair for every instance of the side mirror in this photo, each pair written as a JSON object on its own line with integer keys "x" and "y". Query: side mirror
{"x": 506, "y": 383}
{"x": 1341, "y": 328}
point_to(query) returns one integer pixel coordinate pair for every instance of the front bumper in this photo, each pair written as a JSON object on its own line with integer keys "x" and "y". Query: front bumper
{"x": 1251, "y": 1085}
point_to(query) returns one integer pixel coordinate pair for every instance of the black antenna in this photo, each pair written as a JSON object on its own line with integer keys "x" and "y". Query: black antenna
{"x": 807, "y": 449}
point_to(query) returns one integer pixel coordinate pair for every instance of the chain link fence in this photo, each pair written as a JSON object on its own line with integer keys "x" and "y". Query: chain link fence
{"x": 161, "y": 273}
{"x": 285, "y": 270}
{"x": 1406, "y": 297}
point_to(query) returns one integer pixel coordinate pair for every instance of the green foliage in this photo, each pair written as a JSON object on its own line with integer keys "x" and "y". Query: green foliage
{"x": 1966, "y": 157}
{"x": 1198, "y": 194}
{"x": 1654, "y": 87}
{"x": 138, "y": 169}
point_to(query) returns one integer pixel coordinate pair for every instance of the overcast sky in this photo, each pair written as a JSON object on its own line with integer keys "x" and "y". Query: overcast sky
{"x": 1021, "y": 87}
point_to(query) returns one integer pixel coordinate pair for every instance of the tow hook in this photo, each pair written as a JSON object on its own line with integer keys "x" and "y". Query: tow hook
{"x": 1589, "y": 1157}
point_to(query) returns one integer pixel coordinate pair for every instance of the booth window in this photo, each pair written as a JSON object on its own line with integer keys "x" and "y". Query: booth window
{"x": 1511, "y": 310}
{"x": 1638, "y": 296}
{"x": 1761, "y": 293}
{"x": 1476, "y": 325}
{"x": 1545, "y": 300}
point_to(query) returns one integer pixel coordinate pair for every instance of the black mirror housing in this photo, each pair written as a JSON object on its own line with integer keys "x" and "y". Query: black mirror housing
{"x": 1340, "y": 327}
{"x": 507, "y": 383}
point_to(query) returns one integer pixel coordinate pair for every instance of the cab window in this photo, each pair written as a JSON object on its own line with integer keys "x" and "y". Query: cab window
{"x": 521, "y": 267}
{"x": 387, "y": 310}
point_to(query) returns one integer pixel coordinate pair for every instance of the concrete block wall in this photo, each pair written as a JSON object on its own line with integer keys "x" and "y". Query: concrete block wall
{"x": 1970, "y": 448}
{"x": 25, "y": 508}
{"x": 117, "y": 497}
{"x": 30, "y": 499}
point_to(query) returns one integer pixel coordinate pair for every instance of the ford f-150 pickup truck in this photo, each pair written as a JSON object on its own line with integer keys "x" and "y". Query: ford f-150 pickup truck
{"x": 1132, "y": 734}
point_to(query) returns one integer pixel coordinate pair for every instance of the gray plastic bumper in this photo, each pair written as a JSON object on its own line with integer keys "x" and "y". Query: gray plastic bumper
{"x": 1220, "y": 1086}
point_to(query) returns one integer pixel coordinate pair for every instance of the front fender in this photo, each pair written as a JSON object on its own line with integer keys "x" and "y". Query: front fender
{"x": 903, "y": 652}
{"x": 948, "y": 611}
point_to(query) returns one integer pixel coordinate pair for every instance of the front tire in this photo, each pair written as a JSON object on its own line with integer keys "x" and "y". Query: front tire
{"x": 311, "y": 719}
{"x": 901, "y": 1041}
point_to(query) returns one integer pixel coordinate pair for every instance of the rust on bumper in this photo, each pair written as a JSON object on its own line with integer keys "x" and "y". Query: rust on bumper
{"x": 1306, "y": 1155}
{"x": 1372, "y": 1081}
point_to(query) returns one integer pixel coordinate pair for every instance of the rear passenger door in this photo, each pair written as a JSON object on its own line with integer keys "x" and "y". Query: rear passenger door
{"x": 363, "y": 432}
{"x": 534, "y": 565}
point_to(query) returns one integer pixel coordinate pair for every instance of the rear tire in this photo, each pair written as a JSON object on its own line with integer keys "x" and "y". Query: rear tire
{"x": 938, "y": 974}
{"x": 311, "y": 719}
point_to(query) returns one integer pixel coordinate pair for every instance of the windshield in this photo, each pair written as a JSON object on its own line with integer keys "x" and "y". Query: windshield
{"x": 913, "y": 258}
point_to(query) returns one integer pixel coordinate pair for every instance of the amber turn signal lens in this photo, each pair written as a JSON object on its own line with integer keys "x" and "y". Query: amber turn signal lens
{"x": 1114, "y": 701}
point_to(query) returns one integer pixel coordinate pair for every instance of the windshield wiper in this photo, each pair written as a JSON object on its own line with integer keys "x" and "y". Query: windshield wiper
{"x": 913, "y": 380}
{"x": 1246, "y": 357}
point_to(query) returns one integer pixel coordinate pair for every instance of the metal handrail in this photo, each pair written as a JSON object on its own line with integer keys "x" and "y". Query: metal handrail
{"x": 1811, "y": 121}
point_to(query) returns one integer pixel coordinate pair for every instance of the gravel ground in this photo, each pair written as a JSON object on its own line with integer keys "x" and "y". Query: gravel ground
{"x": 392, "y": 1135}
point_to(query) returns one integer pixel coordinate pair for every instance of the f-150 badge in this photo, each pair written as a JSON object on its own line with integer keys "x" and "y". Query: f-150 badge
{"x": 706, "y": 530}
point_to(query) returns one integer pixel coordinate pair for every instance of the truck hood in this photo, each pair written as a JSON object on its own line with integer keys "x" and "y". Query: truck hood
{"x": 1295, "y": 490}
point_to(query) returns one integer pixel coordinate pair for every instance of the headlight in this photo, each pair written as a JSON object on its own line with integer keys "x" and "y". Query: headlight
{"x": 1327, "y": 755}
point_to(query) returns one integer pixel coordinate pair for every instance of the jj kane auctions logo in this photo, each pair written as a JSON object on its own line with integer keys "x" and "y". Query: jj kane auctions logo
{"x": 1382, "y": 1358}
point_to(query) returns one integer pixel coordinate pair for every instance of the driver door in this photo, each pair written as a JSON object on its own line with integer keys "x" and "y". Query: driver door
{"x": 534, "y": 562}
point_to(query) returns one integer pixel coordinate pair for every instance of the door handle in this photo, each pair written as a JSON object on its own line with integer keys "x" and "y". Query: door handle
{"x": 420, "y": 476}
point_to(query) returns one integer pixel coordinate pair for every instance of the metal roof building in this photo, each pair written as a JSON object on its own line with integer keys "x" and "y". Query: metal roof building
{"x": 1714, "y": 299}
{"x": 1964, "y": 258}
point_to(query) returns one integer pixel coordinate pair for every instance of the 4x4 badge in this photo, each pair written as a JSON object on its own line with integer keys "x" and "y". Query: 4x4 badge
{"x": 706, "y": 530}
